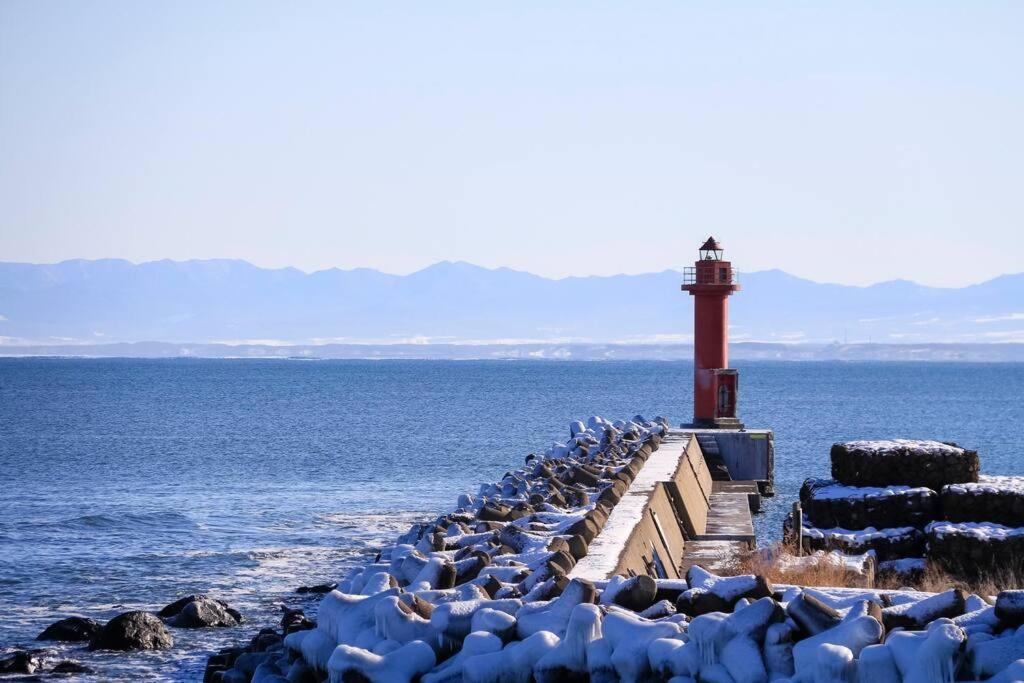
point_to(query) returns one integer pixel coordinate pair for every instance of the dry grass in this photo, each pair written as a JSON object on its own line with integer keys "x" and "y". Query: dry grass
{"x": 779, "y": 566}
{"x": 972, "y": 579}
{"x": 782, "y": 567}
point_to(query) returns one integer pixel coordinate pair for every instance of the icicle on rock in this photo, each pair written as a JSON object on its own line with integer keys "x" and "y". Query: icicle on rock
{"x": 400, "y": 666}
{"x": 568, "y": 661}
{"x": 854, "y": 635}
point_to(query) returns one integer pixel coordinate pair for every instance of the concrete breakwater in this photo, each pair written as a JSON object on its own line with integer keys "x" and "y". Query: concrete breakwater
{"x": 579, "y": 567}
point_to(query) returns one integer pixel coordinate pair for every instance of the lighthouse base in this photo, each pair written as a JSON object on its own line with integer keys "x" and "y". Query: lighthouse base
{"x": 740, "y": 454}
{"x": 715, "y": 423}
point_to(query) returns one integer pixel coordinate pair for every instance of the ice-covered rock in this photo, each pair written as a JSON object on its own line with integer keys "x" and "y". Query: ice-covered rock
{"x": 399, "y": 666}
{"x": 455, "y": 619}
{"x": 554, "y": 615}
{"x": 742, "y": 658}
{"x": 834, "y": 664}
{"x": 661, "y": 655}
{"x": 989, "y": 656}
{"x": 568, "y": 660}
{"x": 729, "y": 588}
{"x": 501, "y": 624}
{"x": 1014, "y": 673}
{"x": 343, "y": 617}
{"x": 778, "y": 650}
{"x": 513, "y": 664}
{"x": 928, "y": 656}
{"x": 855, "y": 635}
{"x": 705, "y": 631}
{"x": 753, "y": 620}
{"x": 476, "y": 643}
{"x": 876, "y": 665}
{"x": 948, "y": 604}
{"x": 393, "y": 620}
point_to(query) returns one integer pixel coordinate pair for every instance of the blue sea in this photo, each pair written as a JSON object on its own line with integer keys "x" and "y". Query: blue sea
{"x": 129, "y": 483}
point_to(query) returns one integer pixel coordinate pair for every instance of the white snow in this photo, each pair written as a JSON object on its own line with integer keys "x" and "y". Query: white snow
{"x": 927, "y": 657}
{"x": 398, "y": 666}
{"x": 903, "y": 565}
{"x": 855, "y": 536}
{"x": 892, "y": 446}
{"x": 989, "y": 484}
{"x": 855, "y": 635}
{"x": 853, "y": 563}
{"x": 983, "y": 531}
{"x": 840, "y": 491}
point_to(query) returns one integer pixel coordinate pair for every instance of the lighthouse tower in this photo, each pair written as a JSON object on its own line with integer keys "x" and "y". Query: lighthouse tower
{"x": 710, "y": 282}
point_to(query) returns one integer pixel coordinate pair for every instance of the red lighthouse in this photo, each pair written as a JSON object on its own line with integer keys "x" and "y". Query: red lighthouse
{"x": 710, "y": 282}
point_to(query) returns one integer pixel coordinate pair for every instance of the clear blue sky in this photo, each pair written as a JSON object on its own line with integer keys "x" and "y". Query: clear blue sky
{"x": 845, "y": 142}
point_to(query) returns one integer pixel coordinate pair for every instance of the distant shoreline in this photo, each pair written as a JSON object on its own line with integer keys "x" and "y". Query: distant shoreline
{"x": 972, "y": 352}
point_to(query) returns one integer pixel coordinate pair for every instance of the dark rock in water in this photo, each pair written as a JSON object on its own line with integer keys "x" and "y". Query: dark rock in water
{"x": 199, "y": 611}
{"x": 265, "y": 639}
{"x": 221, "y": 662}
{"x": 69, "y": 667}
{"x": 133, "y": 631}
{"x": 71, "y": 629}
{"x": 176, "y": 606}
{"x": 20, "y": 662}
{"x": 295, "y": 620}
{"x": 319, "y": 588}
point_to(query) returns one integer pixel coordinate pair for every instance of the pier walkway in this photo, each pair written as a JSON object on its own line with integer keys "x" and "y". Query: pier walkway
{"x": 675, "y": 514}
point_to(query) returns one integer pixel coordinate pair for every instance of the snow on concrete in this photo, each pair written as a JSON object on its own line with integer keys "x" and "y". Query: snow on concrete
{"x": 892, "y": 446}
{"x": 855, "y": 536}
{"x": 989, "y": 484}
{"x": 603, "y": 554}
{"x": 983, "y": 531}
{"x": 835, "y": 491}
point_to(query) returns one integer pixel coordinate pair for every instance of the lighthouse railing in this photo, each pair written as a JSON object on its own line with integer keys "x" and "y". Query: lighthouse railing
{"x": 694, "y": 276}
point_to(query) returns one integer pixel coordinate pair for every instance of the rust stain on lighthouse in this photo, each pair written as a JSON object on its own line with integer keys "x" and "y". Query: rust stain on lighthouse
{"x": 711, "y": 281}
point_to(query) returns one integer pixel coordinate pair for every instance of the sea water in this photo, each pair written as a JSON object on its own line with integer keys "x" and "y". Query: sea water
{"x": 129, "y": 483}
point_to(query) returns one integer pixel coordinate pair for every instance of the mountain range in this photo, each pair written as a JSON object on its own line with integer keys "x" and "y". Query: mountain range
{"x": 233, "y": 301}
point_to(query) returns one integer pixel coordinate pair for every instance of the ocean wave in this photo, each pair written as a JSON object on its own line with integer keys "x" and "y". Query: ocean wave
{"x": 165, "y": 520}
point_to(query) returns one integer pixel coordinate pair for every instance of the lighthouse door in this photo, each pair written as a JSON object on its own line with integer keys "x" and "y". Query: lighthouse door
{"x": 725, "y": 393}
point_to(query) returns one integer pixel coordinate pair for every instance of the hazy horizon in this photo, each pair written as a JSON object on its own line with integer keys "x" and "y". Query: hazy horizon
{"x": 458, "y": 262}
{"x": 236, "y": 302}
